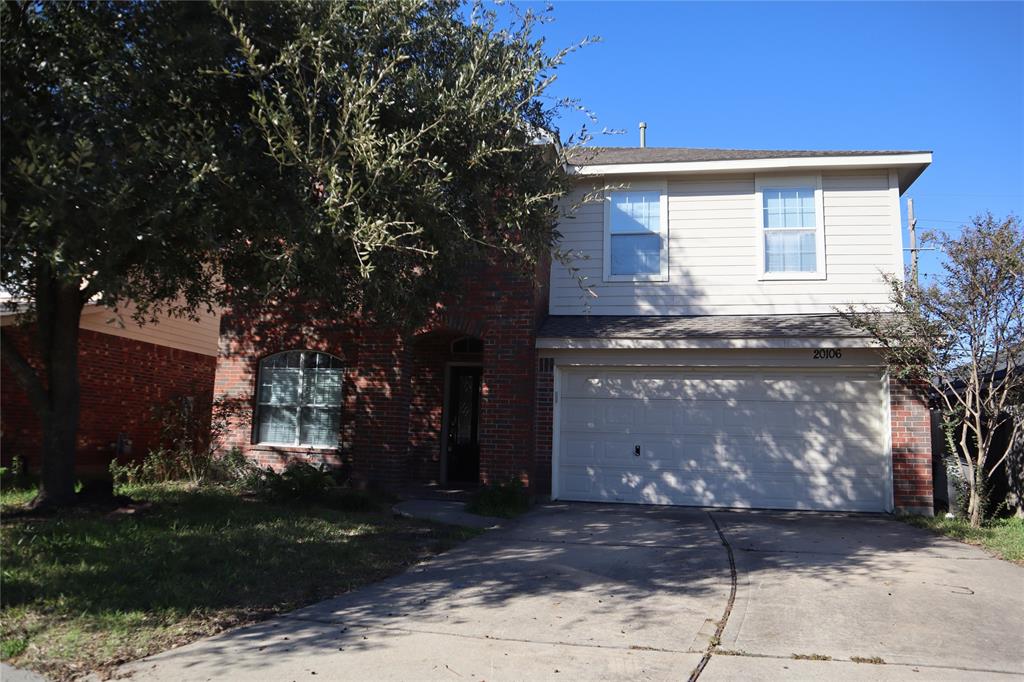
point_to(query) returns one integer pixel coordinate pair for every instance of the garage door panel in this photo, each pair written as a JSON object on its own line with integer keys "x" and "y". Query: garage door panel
{"x": 654, "y": 386}
{"x": 722, "y": 385}
{"x": 820, "y": 387}
{"x": 739, "y": 454}
{"x": 782, "y": 439}
{"x": 724, "y": 489}
{"x": 709, "y": 419}
{"x": 713, "y": 417}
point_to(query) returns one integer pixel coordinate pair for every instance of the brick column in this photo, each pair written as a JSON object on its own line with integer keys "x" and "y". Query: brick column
{"x": 544, "y": 413}
{"x": 911, "y": 449}
{"x": 506, "y": 400}
{"x": 381, "y": 439}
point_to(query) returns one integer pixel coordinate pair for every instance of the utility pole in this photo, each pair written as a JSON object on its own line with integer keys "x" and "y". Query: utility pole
{"x": 912, "y": 228}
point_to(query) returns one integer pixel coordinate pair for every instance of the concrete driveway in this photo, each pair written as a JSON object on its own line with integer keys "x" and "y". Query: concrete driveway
{"x": 595, "y": 592}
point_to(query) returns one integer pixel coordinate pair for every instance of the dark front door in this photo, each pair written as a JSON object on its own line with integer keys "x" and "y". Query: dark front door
{"x": 463, "y": 424}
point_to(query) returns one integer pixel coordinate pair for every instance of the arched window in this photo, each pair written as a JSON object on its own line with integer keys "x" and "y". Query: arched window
{"x": 467, "y": 344}
{"x": 299, "y": 400}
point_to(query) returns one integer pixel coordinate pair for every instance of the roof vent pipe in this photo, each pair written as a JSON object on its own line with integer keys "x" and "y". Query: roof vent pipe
{"x": 643, "y": 134}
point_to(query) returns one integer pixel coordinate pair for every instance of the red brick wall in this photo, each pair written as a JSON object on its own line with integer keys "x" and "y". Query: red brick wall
{"x": 380, "y": 450}
{"x": 122, "y": 380}
{"x": 506, "y": 406}
{"x": 243, "y": 343}
{"x": 911, "y": 448}
{"x": 431, "y": 354}
{"x": 395, "y": 383}
{"x": 545, "y": 404}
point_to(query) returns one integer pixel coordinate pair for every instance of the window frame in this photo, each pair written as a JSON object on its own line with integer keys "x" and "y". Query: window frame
{"x": 769, "y": 182}
{"x": 651, "y": 186}
{"x": 258, "y": 411}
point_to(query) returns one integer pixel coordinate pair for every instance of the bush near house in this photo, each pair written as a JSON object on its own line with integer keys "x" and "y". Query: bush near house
{"x": 504, "y": 500}
{"x": 85, "y": 590}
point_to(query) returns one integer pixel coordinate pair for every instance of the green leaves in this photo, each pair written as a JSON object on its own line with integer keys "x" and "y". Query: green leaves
{"x": 962, "y": 333}
{"x": 410, "y": 134}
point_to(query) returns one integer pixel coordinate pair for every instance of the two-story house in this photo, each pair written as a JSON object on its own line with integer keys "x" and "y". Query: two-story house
{"x": 711, "y": 367}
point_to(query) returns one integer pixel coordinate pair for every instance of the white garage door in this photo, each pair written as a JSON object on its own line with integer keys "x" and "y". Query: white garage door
{"x": 777, "y": 439}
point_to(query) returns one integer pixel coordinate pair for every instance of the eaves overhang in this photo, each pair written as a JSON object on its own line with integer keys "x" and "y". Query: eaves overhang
{"x": 908, "y": 166}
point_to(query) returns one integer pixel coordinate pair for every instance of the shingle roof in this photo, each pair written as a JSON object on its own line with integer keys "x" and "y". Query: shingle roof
{"x": 591, "y": 156}
{"x": 702, "y": 326}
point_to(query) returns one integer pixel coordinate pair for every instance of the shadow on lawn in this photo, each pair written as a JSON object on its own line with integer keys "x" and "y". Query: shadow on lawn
{"x": 204, "y": 551}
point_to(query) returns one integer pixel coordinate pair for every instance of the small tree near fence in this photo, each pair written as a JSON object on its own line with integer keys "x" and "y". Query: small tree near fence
{"x": 962, "y": 332}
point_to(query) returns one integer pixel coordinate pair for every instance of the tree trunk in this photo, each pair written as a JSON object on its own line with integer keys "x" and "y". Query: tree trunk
{"x": 60, "y": 423}
{"x": 974, "y": 509}
{"x": 55, "y": 400}
{"x": 1015, "y": 471}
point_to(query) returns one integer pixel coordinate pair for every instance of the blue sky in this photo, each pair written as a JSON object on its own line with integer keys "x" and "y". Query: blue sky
{"x": 946, "y": 77}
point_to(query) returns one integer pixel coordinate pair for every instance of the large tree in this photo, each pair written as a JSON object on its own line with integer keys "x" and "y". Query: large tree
{"x": 961, "y": 333}
{"x": 180, "y": 155}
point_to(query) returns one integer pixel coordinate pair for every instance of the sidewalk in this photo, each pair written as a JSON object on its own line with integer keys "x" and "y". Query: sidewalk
{"x": 451, "y": 512}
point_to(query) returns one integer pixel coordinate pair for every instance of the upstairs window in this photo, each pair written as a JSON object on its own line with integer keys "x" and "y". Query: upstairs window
{"x": 791, "y": 233}
{"x": 636, "y": 235}
{"x": 299, "y": 401}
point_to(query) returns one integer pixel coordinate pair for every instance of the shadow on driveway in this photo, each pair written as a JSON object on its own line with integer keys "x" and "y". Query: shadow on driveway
{"x": 574, "y": 591}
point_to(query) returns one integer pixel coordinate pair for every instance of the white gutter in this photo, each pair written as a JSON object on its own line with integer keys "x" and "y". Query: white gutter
{"x": 776, "y": 342}
{"x": 788, "y": 163}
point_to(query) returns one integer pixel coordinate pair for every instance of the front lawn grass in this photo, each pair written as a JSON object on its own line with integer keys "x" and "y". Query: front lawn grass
{"x": 1002, "y": 537}
{"x": 84, "y": 591}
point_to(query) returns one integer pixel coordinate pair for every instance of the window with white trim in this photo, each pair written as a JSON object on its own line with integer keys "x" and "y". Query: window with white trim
{"x": 636, "y": 235}
{"x": 791, "y": 234}
{"x": 299, "y": 399}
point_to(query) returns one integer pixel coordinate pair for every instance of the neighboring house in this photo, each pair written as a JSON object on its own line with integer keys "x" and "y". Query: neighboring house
{"x": 125, "y": 371}
{"x": 710, "y": 369}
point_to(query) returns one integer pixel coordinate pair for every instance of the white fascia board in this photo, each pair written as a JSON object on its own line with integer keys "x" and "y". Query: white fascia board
{"x": 780, "y": 164}
{"x": 640, "y": 344}
{"x": 13, "y": 307}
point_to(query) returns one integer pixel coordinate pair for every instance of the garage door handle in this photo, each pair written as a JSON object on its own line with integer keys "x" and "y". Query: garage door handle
{"x": 636, "y": 450}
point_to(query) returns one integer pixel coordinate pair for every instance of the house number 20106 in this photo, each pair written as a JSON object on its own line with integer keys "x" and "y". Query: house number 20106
{"x": 827, "y": 353}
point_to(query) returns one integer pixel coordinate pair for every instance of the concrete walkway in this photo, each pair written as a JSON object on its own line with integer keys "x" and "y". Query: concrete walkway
{"x": 619, "y": 592}
{"x": 8, "y": 673}
{"x": 446, "y": 511}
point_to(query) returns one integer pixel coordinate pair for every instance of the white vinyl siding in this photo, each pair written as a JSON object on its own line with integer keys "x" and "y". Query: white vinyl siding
{"x": 714, "y": 267}
{"x": 196, "y": 336}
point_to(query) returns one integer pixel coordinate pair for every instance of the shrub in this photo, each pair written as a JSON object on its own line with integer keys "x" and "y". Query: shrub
{"x": 235, "y": 470}
{"x": 500, "y": 499}
{"x": 190, "y": 428}
{"x": 186, "y": 440}
{"x": 15, "y": 476}
{"x": 158, "y": 466}
{"x": 124, "y": 474}
{"x": 300, "y": 482}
